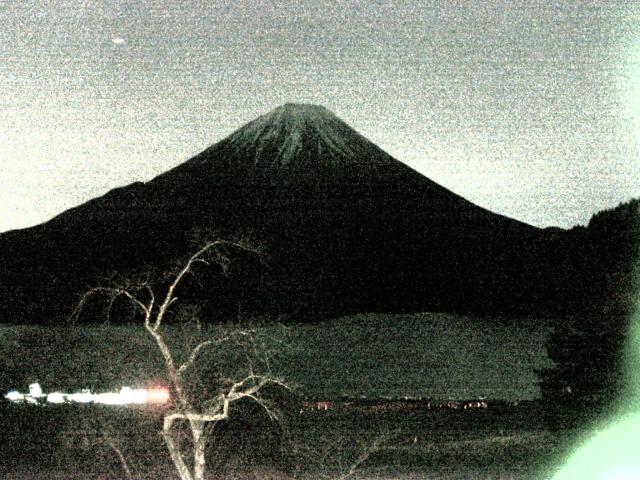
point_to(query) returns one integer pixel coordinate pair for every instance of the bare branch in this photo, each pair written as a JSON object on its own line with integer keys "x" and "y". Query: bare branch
{"x": 109, "y": 307}
{"x": 170, "y": 365}
{"x": 168, "y": 299}
{"x": 272, "y": 415}
{"x": 202, "y": 260}
{"x": 262, "y": 381}
{"x": 115, "y": 292}
{"x": 207, "y": 343}
{"x": 152, "y": 295}
{"x": 118, "y": 451}
{"x": 375, "y": 446}
{"x": 194, "y": 354}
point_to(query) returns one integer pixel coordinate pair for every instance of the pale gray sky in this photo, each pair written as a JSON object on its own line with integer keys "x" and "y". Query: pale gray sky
{"x": 528, "y": 108}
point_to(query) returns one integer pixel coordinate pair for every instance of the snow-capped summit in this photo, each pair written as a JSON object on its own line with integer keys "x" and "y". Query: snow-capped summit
{"x": 296, "y": 132}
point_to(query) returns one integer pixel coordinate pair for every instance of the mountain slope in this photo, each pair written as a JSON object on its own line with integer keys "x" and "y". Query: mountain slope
{"x": 344, "y": 227}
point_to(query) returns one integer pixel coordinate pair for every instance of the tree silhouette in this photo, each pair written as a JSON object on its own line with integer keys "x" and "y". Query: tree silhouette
{"x": 587, "y": 346}
{"x": 194, "y": 402}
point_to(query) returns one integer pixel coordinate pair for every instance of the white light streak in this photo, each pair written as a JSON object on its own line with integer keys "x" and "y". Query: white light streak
{"x": 14, "y": 396}
{"x": 126, "y": 396}
{"x": 81, "y": 397}
{"x": 56, "y": 397}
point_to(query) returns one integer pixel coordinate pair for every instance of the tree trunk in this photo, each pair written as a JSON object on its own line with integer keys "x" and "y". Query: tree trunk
{"x": 199, "y": 443}
{"x": 174, "y": 451}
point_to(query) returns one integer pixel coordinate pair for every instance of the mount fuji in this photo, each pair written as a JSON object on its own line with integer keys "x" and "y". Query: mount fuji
{"x": 344, "y": 228}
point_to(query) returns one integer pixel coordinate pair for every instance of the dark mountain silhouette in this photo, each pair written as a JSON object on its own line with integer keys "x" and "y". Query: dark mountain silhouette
{"x": 344, "y": 228}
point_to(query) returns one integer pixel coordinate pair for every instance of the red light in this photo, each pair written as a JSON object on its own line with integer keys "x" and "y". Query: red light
{"x": 158, "y": 395}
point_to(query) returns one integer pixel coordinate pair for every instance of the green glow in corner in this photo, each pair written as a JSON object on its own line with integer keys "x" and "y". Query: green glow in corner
{"x": 613, "y": 452}
{"x": 609, "y": 454}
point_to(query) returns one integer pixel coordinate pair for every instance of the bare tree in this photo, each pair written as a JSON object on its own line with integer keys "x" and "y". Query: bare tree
{"x": 196, "y": 408}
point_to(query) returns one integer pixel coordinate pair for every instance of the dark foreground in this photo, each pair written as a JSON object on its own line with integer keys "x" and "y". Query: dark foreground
{"x": 507, "y": 442}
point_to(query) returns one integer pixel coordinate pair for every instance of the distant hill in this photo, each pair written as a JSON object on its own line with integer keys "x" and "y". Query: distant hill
{"x": 594, "y": 269}
{"x": 344, "y": 228}
{"x": 596, "y": 279}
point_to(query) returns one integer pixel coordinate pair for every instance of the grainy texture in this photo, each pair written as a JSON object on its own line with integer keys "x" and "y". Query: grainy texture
{"x": 526, "y": 108}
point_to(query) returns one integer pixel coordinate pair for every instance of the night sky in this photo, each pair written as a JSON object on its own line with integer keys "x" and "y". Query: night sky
{"x": 530, "y": 109}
